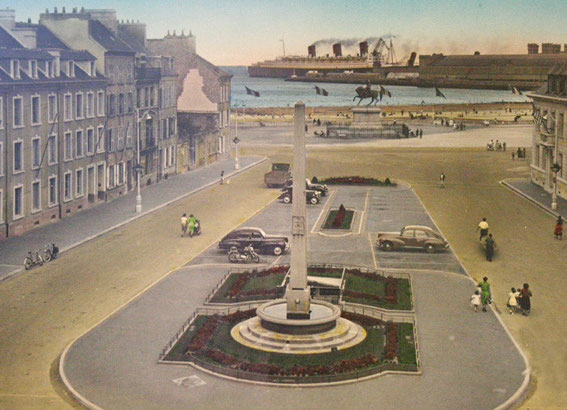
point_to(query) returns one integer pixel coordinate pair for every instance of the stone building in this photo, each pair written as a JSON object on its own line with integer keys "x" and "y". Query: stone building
{"x": 203, "y": 102}
{"x": 549, "y": 142}
{"x": 51, "y": 116}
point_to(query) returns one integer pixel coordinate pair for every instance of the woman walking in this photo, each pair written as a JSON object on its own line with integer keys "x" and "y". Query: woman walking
{"x": 484, "y": 293}
{"x": 558, "y": 232}
{"x": 525, "y": 302}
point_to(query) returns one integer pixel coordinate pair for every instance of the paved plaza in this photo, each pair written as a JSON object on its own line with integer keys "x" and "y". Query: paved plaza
{"x": 462, "y": 352}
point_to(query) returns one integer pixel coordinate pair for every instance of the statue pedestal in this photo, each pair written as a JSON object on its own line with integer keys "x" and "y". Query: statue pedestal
{"x": 366, "y": 116}
{"x": 298, "y": 303}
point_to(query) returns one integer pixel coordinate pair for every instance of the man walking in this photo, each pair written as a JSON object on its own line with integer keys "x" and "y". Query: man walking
{"x": 483, "y": 227}
{"x": 442, "y": 180}
{"x": 183, "y": 224}
{"x": 489, "y": 247}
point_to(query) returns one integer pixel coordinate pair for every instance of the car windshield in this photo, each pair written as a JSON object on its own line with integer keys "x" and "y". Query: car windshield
{"x": 280, "y": 167}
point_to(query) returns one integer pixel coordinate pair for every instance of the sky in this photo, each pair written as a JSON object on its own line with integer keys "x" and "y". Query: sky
{"x": 240, "y": 32}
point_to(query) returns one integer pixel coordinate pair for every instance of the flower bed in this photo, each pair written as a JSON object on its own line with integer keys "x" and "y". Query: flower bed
{"x": 357, "y": 180}
{"x": 334, "y": 222}
{"x": 377, "y": 290}
{"x": 325, "y": 271}
{"x": 251, "y": 285}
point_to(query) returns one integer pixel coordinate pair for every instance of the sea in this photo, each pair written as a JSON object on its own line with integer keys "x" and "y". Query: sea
{"x": 276, "y": 92}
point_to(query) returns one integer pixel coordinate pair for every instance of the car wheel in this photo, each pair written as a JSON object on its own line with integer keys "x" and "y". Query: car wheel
{"x": 387, "y": 246}
{"x": 277, "y": 250}
{"x": 429, "y": 248}
{"x": 314, "y": 200}
{"x": 286, "y": 199}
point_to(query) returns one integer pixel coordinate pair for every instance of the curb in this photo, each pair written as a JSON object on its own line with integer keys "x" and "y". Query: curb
{"x": 141, "y": 215}
{"x": 529, "y": 198}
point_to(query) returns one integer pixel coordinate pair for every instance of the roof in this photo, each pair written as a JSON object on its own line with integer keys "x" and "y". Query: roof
{"x": 7, "y": 40}
{"x": 46, "y": 39}
{"x": 132, "y": 41}
{"x": 77, "y": 55}
{"x": 212, "y": 67}
{"x": 25, "y": 53}
{"x": 106, "y": 38}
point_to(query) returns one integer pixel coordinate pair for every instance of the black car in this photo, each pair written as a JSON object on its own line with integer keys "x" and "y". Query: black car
{"x": 321, "y": 188}
{"x": 261, "y": 242}
{"x": 312, "y": 197}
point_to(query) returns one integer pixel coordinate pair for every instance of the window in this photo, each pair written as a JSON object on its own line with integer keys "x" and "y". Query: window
{"x": 1, "y": 207}
{"x": 146, "y": 96}
{"x": 111, "y": 104}
{"x": 36, "y": 152}
{"x": 120, "y": 138}
{"x": 15, "y": 69}
{"x": 560, "y": 162}
{"x": 18, "y": 201}
{"x": 1, "y": 113}
{"x": 52, "y": 150}
{"x": 111, "y": 176}
{"x": 130, "y": 103}
{"x": 36, "y": 197}
{"x": 79, "y": 183}
{"x": 68, "y": 107}
{"x": 109, "y": 142}
{"x": 51, "y": 108}
{"x": 67, "y": 147}
{"x": 35, "y": 110}
{"x": 152, "y": 96}
{"x": 100, "y": 103}
{"x": 18, "y": 112}
{"x": 79, "y": 105}
{"x": 52, "y": 193}
{"x": 33, "y": 68}
{"x": 71, "y": 68}
{"x": 120, "y": 173}
{"x": 67, "y": 187}
{"x": 79, "y": 143}
{"x": 90, "y": 141}
{"x": 100, "y": 139}
{"x": 138, "y": 98}
{"x": 90, "y": 105}
{"x": 120, "y": 103}
{"x": 164, "y": 128}
{"x": 171, "y": 126}
{"x": 18, "y": 156}
{"x": 1, "y": 163}
{"x": 129, "y": 138}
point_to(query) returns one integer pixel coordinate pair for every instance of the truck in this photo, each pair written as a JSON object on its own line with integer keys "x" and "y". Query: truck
{"x": 278, "y": 176}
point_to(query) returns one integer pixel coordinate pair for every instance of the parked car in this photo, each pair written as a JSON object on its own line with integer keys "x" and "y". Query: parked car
{"x": 412, "y": 236}
{"x": 261, "y": 242}
{"x": 279, "y": 175}
{"x": 312, "y": 197}
{"x": 323, "y": 189}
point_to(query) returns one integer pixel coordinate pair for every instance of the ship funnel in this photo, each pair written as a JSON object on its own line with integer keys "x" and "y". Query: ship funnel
{"x": 311, "y": 51}
{"x": 411, "y": 59}
{"x": 337, "y": 50}
{"x": 363, "y": 45}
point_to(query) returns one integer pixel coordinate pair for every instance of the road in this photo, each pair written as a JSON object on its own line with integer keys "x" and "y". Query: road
{"x": 42, "y": 311}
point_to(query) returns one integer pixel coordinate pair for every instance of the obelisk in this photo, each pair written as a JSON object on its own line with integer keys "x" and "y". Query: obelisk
{"x": 298, "y": 293}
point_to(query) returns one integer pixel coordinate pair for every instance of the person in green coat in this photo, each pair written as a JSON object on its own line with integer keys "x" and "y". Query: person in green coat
{"x": 191, "y": 221}
{"x": 484, "y": 293}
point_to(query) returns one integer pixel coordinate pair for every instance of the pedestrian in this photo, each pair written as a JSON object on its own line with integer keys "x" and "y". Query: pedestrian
{"x": 420, "y": 133}
{"x": 504, "y": 146}
{"x": 222, "y": 177}
{"x": 513, "y": 155}
{"x": 475, "y": 300}
{"x": 442, "y": 180}
{"x": 183, "y": 224}
{"x": 483, "y": 228}
{"x": 489, "y": 247}
{"x": 525, "y": 302}
{"x": 558, "y": 232}
{"x": 513, "y": 301}
{"x": 519, "y": 153}
{"x": 484, "y": 293}
{"x": 191, "y": 222}
{"x": 524, "y": 153}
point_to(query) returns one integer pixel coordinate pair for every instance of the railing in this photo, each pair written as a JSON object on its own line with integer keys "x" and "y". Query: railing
{"x": 384, "y": 131}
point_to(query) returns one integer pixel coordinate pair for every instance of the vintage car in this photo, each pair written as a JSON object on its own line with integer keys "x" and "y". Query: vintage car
{"x": 261, "y": 242}
{"x": 278, "y": 176}
{"x": 323, "y": 189}
{"x": 412, "y": 236}
{"x": 312, "y": 197}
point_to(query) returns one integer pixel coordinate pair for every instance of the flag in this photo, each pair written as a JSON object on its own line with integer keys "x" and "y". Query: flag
{"x": 252, "y": 92}
{"x": 317, "y": 90}
{"x": 385, "y": 92}
{"x": 516, "y": 91}
{"x": 438, "y": 93}
{"x": 321, "y": 91}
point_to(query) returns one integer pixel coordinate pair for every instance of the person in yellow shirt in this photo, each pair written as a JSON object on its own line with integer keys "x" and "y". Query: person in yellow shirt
{"x": 483, "y": 227}
{"x": 183, "y": 225}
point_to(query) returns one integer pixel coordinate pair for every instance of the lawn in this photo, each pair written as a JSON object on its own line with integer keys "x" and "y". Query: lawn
{"x": 253, "y": 283}
{"x": 325, "y": 272}
{"x": 349, "y": 214}
{"x": 377, "y": 287}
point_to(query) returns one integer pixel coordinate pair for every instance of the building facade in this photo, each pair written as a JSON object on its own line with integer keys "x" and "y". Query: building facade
{"x": 549, "y": 142}
{"x": 50, "y": 165}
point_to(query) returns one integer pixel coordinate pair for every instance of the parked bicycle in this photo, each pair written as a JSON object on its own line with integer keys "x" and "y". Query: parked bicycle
{"x": 33, "y": 258}
{"x": 50, "y": 252}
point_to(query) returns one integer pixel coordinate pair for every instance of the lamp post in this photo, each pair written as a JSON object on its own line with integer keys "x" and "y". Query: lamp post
{"x": 555, "y": 168}
{"x": 138, "y": 168}
{"x": 236, "y": 140}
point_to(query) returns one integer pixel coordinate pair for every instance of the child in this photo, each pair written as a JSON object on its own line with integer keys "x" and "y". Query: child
{"x": 513, "y": 301}
{"x": 475, "y": 300}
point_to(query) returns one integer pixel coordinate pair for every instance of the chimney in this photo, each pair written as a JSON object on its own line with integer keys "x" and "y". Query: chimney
{"x": 337, "y": 50}
{"x": 363, "y": 46}
{"x": 533, "y": 48}
{"x": 136, "y": 30}
{"x": 411, "y": 60}
{"x": 8, "y": 18}
{"x": 311, "y": 52}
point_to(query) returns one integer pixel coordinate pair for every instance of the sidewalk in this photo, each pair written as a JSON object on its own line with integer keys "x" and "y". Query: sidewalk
{"x": 91, "y": 223}
{"x": 536, "y": 194}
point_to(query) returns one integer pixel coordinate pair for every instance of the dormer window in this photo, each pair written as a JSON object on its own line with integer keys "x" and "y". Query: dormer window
{"x": 71, "y": 68}
{"x": 15, "y": 69}
{"x": 33, "y": 68}
{"x": 49, "y": 69}
{"x": 92, "y": 68}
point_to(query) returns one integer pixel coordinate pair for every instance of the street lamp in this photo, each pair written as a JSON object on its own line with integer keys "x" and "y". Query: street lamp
{"x": 555, "y": 168}
{"x": 236, "y": 140}
{"x": 138, "y": 168}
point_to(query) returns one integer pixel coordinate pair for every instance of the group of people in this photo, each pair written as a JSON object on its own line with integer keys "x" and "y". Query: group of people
{"x": 520, "y": 153}
{"x": 188, "y": 225}
{"x": 417, "y": 133}
{"x": 486, "y": 239}
{"x": 496, "y": 146}
{"x": 518, "y": 299}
